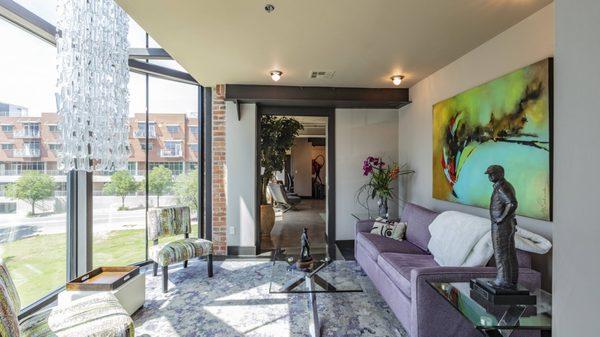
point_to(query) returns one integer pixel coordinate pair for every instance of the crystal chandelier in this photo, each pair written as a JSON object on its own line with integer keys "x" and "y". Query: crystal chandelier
{"x": 92, "y": 94}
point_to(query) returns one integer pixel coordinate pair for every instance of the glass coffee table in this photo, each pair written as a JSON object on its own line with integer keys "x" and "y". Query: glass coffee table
{"x": 323, "y": 276}
{"x": 497, "y": 320}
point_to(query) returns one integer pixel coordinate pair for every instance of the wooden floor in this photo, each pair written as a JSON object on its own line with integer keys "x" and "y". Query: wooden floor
{"x": 288, "y": 227}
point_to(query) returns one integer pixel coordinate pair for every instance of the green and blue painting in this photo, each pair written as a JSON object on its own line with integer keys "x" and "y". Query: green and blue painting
{"x": 506, "y": 121}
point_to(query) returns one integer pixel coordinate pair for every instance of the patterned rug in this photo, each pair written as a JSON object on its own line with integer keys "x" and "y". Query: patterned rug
{"x": 236, "y": 302}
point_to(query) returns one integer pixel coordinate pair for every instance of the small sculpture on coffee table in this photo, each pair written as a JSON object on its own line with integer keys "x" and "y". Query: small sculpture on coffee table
{"x": 305, "y": 258}
{"x": 503, "y": 205}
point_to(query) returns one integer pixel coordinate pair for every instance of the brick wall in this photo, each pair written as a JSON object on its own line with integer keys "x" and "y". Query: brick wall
{"x": 219, "y": 181}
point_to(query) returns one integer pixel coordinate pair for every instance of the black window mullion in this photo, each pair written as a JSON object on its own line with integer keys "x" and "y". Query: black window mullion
{"x": 200, "y": 164}
{"x": 146, "y": 138}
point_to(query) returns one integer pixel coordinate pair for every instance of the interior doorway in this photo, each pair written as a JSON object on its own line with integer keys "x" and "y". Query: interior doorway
{"x": 301, "y": 194}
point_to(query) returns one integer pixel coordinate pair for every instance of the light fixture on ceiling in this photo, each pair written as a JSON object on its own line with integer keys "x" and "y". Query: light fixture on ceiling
{"x": 397, "y": 79}
{"x": 276, "y": 75}
{"x": 269, "y": 8}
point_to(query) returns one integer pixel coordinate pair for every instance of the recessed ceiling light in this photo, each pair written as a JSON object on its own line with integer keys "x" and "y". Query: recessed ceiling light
{"x": 276, "y": 75}
{"x": 397, "y": 79}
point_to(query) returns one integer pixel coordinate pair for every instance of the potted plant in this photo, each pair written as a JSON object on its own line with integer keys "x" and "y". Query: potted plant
{"x": 381, "y": 176}
{"x": 276, "y": 138}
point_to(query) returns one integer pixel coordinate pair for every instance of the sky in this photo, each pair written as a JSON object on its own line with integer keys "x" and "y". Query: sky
{"x": 28, "y": 71}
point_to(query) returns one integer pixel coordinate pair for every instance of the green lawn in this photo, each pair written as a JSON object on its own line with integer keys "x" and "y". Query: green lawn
{"x": 38, "y": 264}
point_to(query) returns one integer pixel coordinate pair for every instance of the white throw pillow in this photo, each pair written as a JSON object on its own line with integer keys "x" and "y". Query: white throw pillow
{"x": 394, "y": 230}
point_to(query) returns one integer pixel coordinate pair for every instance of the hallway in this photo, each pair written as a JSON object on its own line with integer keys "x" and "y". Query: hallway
{"x": 288, "y": 227}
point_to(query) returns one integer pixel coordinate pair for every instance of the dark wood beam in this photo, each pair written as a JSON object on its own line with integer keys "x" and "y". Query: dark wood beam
{"x": 378, "y": 98}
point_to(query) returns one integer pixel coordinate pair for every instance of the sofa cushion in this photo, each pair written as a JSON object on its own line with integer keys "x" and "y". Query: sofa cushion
{"x": 180, "y": 250}
{"x": 376, "y": 244}
{"x": 418, "y": 219}
{"x": 398, "y": 267}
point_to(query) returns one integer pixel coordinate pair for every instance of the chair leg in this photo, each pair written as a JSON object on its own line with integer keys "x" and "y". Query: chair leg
{"x": 210, "y": 265}
{"x": 185, "y": 263}
{"x": 165, "y": 275}
{"x": 154, "y": 269}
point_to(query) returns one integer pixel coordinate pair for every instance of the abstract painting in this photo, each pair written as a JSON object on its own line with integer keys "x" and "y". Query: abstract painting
{"x": 507, "y": 121}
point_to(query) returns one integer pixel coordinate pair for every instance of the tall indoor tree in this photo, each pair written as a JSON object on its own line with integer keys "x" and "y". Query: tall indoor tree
{"x": 276, "y": 138}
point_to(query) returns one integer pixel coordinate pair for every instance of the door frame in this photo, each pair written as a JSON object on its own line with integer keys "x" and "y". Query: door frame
{"x": 291, "y": 111}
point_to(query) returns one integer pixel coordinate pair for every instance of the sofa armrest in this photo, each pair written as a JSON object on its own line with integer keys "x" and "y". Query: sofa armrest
{"x": 527, "y": 277}
{"x": 428, "y": 307}
{"x": 364, "y": 226}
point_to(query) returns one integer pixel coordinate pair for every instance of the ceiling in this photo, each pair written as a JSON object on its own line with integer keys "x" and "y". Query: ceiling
{"x": 363, "y": 41}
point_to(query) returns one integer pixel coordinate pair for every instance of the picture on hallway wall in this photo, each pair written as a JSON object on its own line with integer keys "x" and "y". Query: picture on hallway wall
{"x": 507, "y": 121}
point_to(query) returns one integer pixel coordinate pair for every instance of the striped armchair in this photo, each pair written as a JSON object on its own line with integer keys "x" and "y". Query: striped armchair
{"x": 168, "y": 221}
{"x": 95, "y": 315}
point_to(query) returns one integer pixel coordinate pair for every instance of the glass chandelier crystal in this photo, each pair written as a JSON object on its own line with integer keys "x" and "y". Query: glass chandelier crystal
{"x": 92, "y": 94}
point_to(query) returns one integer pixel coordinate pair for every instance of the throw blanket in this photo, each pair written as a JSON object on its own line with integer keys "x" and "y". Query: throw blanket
{"x": 460, "y": 239}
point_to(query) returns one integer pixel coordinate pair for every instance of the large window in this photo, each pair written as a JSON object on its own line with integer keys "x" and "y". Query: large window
{"x": 163, "y": 117}
{"x": 159, "y": 141}
{"x": 32, "y": 199}
{"x": 119, "y": 199}
{"x": 174, "y": 107}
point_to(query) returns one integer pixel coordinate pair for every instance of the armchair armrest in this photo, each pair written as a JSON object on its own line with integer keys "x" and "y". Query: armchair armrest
{"x": 364, "y": 226}
{"x": 429, "y": 307}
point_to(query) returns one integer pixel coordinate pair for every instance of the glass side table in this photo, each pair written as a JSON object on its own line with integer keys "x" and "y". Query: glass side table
{"x": 497, "y": 320}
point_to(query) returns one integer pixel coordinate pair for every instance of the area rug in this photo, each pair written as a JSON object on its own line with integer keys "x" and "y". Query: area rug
{"x": 236, "y": 302}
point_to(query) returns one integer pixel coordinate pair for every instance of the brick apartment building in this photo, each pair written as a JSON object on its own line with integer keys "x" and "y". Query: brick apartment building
{"x": 31, "y": 143}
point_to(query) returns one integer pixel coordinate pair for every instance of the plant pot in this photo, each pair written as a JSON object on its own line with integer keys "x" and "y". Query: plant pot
{"x": 267, "y": 220}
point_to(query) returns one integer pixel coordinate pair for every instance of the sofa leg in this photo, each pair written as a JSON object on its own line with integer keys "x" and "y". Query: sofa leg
{"x": 185, "y": 263}
{"x": 154, "y": 269}
{"x": 210, "y": 265}
{"x": 165, "y": 275}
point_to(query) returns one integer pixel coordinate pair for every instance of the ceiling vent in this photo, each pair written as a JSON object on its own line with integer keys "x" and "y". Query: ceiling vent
{"x": 322, "y": 74}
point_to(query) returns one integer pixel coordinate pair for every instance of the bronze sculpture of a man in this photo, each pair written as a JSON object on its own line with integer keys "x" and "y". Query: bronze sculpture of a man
{"x": 305, "y": 247}
{"x": 503, "y": 205}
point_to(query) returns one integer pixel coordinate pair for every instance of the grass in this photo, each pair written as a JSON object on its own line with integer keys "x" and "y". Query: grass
{"x": 38, "y": 264}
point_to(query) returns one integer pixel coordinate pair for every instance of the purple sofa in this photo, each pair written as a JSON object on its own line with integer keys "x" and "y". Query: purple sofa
{"x": 400, "y": 271}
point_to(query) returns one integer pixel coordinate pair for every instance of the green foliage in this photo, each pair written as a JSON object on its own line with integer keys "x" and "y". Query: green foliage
{"x": 31, "y": 187}
{"x": 121, "y": 183}
{"x": 160, "y": 181}
{"x": 186, "y": 189}
{"x": 276, "y": 138}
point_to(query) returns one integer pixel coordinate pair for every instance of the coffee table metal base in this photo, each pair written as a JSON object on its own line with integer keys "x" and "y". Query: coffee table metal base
{"x": 315, "y": 324}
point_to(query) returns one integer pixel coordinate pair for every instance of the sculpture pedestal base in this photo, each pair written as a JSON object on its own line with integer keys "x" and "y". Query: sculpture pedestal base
{"x": 304, "y": 264}
{"x": 484, "y": 289}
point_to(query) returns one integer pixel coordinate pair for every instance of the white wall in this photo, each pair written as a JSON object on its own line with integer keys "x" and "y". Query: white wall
{"x": 358, "y": 134}
{"x": 576, "y": 199}
{"x": 525, "y": 43}
{"x": 241, "y": 161}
